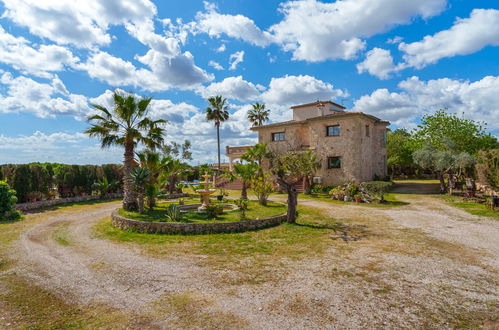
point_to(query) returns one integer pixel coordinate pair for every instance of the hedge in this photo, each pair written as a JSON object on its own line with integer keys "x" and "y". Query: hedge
{"x": 48, "y": 180}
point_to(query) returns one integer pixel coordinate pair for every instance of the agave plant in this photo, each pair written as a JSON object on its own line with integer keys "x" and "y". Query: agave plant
{"x": 140, "y": 178}
{"x": 173, "y": 213}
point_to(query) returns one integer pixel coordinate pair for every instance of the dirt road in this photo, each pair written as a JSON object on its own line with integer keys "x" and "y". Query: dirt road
{"x": 402, "y": 277}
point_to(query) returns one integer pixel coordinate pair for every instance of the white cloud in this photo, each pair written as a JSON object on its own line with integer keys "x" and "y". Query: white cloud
{"x": 233, "y": 88}
{"x": 293, "y": 90}
{"x": 42, "y": 100}
{"x": 478, "y": 100}
{"x": 235, "y": 59}
{"x": 316, "y": 31}
{"x": 179, "y": 71}
{"x": 378, "y": 62}
{"x": 39, "y": 61}
{"x": 215, "y": 65}
{"x": 395, "y": 40}
{"x": 466, "y": 36}
{"x": 158, "y": 108}
{"x": 56, "y": 147}
{"x": 81, "y": 23}
{"x": 235, "y": 26}
{"x": 221, "y": 49}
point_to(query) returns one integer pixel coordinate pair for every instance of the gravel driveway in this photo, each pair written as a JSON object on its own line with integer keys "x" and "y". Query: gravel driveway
{"x": 399, "y": 278}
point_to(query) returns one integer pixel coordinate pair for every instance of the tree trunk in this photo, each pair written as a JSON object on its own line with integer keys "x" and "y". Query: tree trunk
{"x": 141, "y": 202}
{"x": 218, "y": 143}
{"x": 452, "y": 183}
{"x": 442, "y": 183}
{"x": 171, "y": 184}
{"x": 244, "y": 190}
{"x": 306, "y": 185}
{"x": 129, "y": 195}
{"x": 292, "y": 200}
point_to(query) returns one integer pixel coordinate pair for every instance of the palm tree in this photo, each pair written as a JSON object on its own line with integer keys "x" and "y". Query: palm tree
{"x": 258, "y": 115}
{"x": 217, "y": 112}
{"x": 151, "y": 160}
{"x": 104, "y": 186}
{"x": 140, "y": 179}
{"x": 127, "y": 125}
{"x": 246, "y": 173}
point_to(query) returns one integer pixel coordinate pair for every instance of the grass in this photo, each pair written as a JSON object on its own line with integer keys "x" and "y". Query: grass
{"x": 254, "y": 211}
{"x": 390, "y": 200}
{"x": 479, "y": 209}
{"x": 251, "y": 256}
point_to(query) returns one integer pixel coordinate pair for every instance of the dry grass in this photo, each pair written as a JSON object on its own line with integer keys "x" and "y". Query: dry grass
{"x": 193, "y": 311}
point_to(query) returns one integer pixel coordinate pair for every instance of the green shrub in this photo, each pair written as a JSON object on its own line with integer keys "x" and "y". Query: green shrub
{"x": 243, "y": 206}
{"x": 173, "y": 213}
{"x": 352, "y": 189}
{"x": 213, "y": 210}
{"x": 376, "y": 189}
{"x": 8, "y": 201}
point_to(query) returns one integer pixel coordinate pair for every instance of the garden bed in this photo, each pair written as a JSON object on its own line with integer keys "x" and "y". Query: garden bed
{"x": 193, "y": 222}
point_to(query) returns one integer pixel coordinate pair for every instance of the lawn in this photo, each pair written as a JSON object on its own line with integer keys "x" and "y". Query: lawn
{"x": 471, "y": 207}
{"x": 390, "y": 200}
{"x": 254, "y": 211}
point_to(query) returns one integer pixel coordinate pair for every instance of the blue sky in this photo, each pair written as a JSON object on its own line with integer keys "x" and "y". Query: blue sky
{"x": 394, "y": 59}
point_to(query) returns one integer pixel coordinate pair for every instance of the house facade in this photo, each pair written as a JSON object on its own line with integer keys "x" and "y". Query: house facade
{"x": 350, "y": 145}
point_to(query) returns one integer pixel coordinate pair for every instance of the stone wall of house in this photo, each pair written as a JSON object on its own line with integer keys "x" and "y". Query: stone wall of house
{"x": 362, "y": 156}
{"x": 51, "y": 202}
{"x": 193, "y": 228}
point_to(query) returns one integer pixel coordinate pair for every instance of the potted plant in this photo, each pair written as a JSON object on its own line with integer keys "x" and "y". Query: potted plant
{"x": 357, "y": 198}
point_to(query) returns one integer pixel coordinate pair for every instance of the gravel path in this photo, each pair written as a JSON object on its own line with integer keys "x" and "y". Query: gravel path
{"x": 358, "y": 289}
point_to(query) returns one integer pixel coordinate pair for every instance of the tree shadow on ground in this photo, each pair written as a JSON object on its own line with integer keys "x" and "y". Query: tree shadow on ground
{"x": 420, "y": 188}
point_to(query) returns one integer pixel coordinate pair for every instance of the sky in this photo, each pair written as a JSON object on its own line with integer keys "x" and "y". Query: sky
{"x": 397, "y": 60}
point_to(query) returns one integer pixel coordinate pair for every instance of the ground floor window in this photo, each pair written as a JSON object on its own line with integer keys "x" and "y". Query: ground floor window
{"x": 280, "y": 136}
{"x": 334, "y": 162}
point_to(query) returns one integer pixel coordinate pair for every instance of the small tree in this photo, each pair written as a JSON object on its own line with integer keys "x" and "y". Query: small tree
{"x": 246, "y": 173}
{"x": 8, "y": 201}
{"x": 262, "y": 186}
{"x": 104, "y": 186}
{"x": 290, "y": 168}
{"x": 376, "y": 189}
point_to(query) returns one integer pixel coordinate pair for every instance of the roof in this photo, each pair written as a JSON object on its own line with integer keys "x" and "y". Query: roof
{"x": 319, "y": 118}
{"x": 317, "y": 103}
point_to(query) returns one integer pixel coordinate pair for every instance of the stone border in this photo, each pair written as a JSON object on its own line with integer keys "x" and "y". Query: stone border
{"x": 173, "y": 196}
{"x": 50, "y": 202}
{"x": 186, "y": 228}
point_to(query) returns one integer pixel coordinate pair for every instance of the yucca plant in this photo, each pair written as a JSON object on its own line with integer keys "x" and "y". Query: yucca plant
{"x": 173, "y": 213}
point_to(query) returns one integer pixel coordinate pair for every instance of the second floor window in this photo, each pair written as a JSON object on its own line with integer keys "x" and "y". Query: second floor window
{"x": 367, "y": 131}
{"x": 333, "y": 130}
{"x": 281, "y": 136}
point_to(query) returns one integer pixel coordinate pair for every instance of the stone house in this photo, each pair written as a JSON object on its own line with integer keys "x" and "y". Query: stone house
{"x": 350, "y": 145}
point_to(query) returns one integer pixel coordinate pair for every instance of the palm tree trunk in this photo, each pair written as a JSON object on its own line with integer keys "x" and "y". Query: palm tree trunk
{"x": 244, "y": 190}
{"x": 129, "y": 195}
{"x": 141, "y": 202}
{"x": 218, "y": 142}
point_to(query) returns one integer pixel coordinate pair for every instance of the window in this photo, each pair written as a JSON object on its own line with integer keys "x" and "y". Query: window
{"x": 333, "y": 130}
{"x": 334, "y": 162}
{"x": 281, "y": 136}
{"x": 367, "y": 131}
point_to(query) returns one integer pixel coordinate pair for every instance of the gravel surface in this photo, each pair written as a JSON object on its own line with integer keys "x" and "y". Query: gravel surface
{"x": 350, "y": 285}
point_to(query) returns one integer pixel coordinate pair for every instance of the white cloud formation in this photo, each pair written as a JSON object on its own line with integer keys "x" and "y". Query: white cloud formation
{"x": 478, "y": 100}
{"x": 176, "y": 72}
{"x": 39, "y": 61}
{"x": 293, "y": 90}
{"x": 215, "y": 65}
{"x": 233, "y": 88}
{"x": 466, "y": 36}
{"x": 235, "y": 59}
{"x": 81, "y": 23}
{"x": 235, "y": 26}
{"x": 316, "y": 31}
{"x": 43, "y": 100}
{"x": 56, "y": 147}
{"x": 378, "y": 62}
{"x": 221, "y": 49}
